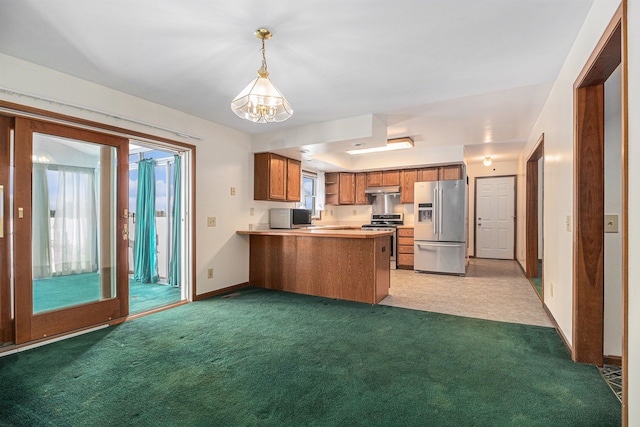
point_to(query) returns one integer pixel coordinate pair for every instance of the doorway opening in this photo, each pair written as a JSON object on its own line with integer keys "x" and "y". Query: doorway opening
{"x": 535, "y": 218}
{"x": 155, "y": 223}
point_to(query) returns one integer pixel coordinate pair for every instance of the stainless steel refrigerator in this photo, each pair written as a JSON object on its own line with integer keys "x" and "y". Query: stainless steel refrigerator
{"x": 440, "y": 223}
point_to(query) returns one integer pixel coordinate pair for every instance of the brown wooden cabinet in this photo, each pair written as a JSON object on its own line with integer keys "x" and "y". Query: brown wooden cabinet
{"x": 331, "y": 188}
{"x": 450, "y": 172}
{"x": 361, "y": 185}
{"x": 428, "y": 174}
{"x": 408, "y": 177}
{"x": 405, "y": 248}
{"x": 374, "y": 179}
{"x": 276, "y": 178}
{"x": 391, "y": 177}
{"x": 347, "y": 188}
{"x": 340, "y": 188}
{"x": 294, "y": 180}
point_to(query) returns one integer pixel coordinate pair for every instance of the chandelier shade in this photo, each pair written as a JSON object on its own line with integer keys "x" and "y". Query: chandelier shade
{"x": 261, "y": 101}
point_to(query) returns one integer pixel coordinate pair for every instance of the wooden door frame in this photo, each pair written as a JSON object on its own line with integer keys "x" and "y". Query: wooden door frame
{"x": 475, "y": 210}
{"x": 30, "y": 326}
{"x": 6, "y": 320}
{"x": 531, "y": 210}
{"x": 588, "y": 200}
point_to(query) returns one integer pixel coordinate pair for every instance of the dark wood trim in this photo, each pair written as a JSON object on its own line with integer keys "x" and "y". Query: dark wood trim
{"x": 475, "y": 210}
{"x": 563, "y": 337}
{"x": 27, "y": 112}
{"x": 588, "y": 199}
{"x": 220, "y": 291}
{"x": 588, "y": 237}
{"x": 612, "y": 360}
{"x": 6, "y": 318}
{"x": 531, "y": 210}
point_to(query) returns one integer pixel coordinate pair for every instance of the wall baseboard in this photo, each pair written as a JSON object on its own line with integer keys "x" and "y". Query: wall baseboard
{"x": 220, "y": 291}
{"x": 558, "y": 330}
{"x": 613, "y": 360}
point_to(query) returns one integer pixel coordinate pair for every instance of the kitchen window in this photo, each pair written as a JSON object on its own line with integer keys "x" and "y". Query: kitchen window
{"x": 309, "y": 192}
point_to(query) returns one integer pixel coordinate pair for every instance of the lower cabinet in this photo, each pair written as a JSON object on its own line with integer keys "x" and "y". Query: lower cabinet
{"x": 405, "y": 248}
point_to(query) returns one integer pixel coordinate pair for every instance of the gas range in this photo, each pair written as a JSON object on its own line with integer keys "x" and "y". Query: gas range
{"x": 387, "y": 222}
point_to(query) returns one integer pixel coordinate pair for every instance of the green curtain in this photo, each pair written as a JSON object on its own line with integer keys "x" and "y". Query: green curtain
{"x": 174, "y": 267}
{"x": 145, "y": 259}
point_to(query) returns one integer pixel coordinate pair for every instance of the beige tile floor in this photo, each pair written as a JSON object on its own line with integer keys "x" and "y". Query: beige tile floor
{"x": 492, "y": 289}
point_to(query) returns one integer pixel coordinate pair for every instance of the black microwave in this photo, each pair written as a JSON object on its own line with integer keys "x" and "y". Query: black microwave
{"x": 289, "y": 218}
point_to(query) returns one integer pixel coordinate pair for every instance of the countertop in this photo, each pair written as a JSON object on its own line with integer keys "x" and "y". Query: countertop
{"x": 324, "y": 231}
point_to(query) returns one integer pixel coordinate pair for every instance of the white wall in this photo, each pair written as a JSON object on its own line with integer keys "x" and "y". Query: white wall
{"x": 633, "y": 111}
{"x": 556, "y": 123}
{"x": 478, "y": 170}
{"x": 224, "y": 160}
{"x": 613, "y": 205}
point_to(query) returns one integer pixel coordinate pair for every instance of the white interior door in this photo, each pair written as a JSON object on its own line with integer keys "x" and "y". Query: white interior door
{"x": 495, "y": 217}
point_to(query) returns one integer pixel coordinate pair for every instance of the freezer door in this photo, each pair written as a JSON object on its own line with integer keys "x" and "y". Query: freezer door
{"x": 452, "y": 198}
{"x": 425, "y": 210}
{"x": 440, "y": 257}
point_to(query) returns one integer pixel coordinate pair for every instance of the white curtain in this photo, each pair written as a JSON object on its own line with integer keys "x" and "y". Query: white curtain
{"x": 41, "y": 240}
{"x": 75, "y": 223}
{"x": 320, "y": 192}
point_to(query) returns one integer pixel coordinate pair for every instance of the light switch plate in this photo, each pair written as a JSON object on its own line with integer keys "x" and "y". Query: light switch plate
{"x": 611, "y": 223}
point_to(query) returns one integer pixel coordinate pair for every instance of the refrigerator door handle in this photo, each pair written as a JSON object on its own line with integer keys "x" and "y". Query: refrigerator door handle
{"x": 440, "y": 210}
{"x": 435, "y": 210}
{"x": 439, "y": 245}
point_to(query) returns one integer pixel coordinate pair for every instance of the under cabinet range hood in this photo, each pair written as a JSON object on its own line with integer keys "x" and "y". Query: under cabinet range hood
{"x": 393, "y": 189}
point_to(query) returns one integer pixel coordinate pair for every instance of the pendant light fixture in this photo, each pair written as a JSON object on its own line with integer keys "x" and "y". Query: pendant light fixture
{"x": 261, "y": 101}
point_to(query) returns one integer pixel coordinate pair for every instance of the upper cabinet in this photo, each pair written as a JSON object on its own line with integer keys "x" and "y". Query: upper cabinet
{"x": 383, "y": 178}
{"x": 276, "y": 178}
{"x": 361, "y": 185}
{"x": 346, "y": 188}
{"x": 428, "y": 174}
{"x": 450, "y": 172}
{"x": 374, "y": 179}
{"x": 390, "y": 178}
{"x": 408, "y": 177}
{"x": 340, "y": 188}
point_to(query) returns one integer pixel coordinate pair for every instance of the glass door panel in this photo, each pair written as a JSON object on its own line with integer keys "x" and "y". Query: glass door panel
{"x": 73, "y": 222}
{"x": 71, "y": 228}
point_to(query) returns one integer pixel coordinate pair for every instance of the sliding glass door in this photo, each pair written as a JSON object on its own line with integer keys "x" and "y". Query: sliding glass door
{"x": 71, "y": 230}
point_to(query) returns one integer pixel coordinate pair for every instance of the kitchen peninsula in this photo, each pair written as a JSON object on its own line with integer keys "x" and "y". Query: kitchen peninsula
{"x": 351, "y": 265}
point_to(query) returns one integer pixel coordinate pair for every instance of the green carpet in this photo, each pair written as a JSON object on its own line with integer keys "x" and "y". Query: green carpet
{"x": 66, "y": 291}
{"x": 537, "y": 284}
{"x": 279, "y": 359}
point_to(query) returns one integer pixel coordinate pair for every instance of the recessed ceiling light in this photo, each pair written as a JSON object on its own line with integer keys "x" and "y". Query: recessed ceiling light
{"x": 392, "y": 144}
{"x": 303, "y": 151}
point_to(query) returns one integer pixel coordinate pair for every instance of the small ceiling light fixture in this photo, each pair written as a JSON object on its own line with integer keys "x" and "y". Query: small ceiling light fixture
{"x": 392, "y": 144}
{"x": 261, "y": 101}
{"x": 487, "y": 161}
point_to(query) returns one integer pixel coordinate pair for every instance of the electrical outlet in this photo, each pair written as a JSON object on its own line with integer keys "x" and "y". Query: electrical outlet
{"x": 567, "y": 223}
{"x": 355, "y": 212}
{"x": 233, "y": 191}
{"x": 211, "y": 221}
{"x": 251, "y": 212}
{"x": 210, "y": 273}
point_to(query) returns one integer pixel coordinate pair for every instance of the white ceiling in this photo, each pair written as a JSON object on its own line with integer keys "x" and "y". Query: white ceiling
{"x": 464, "y": 72}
